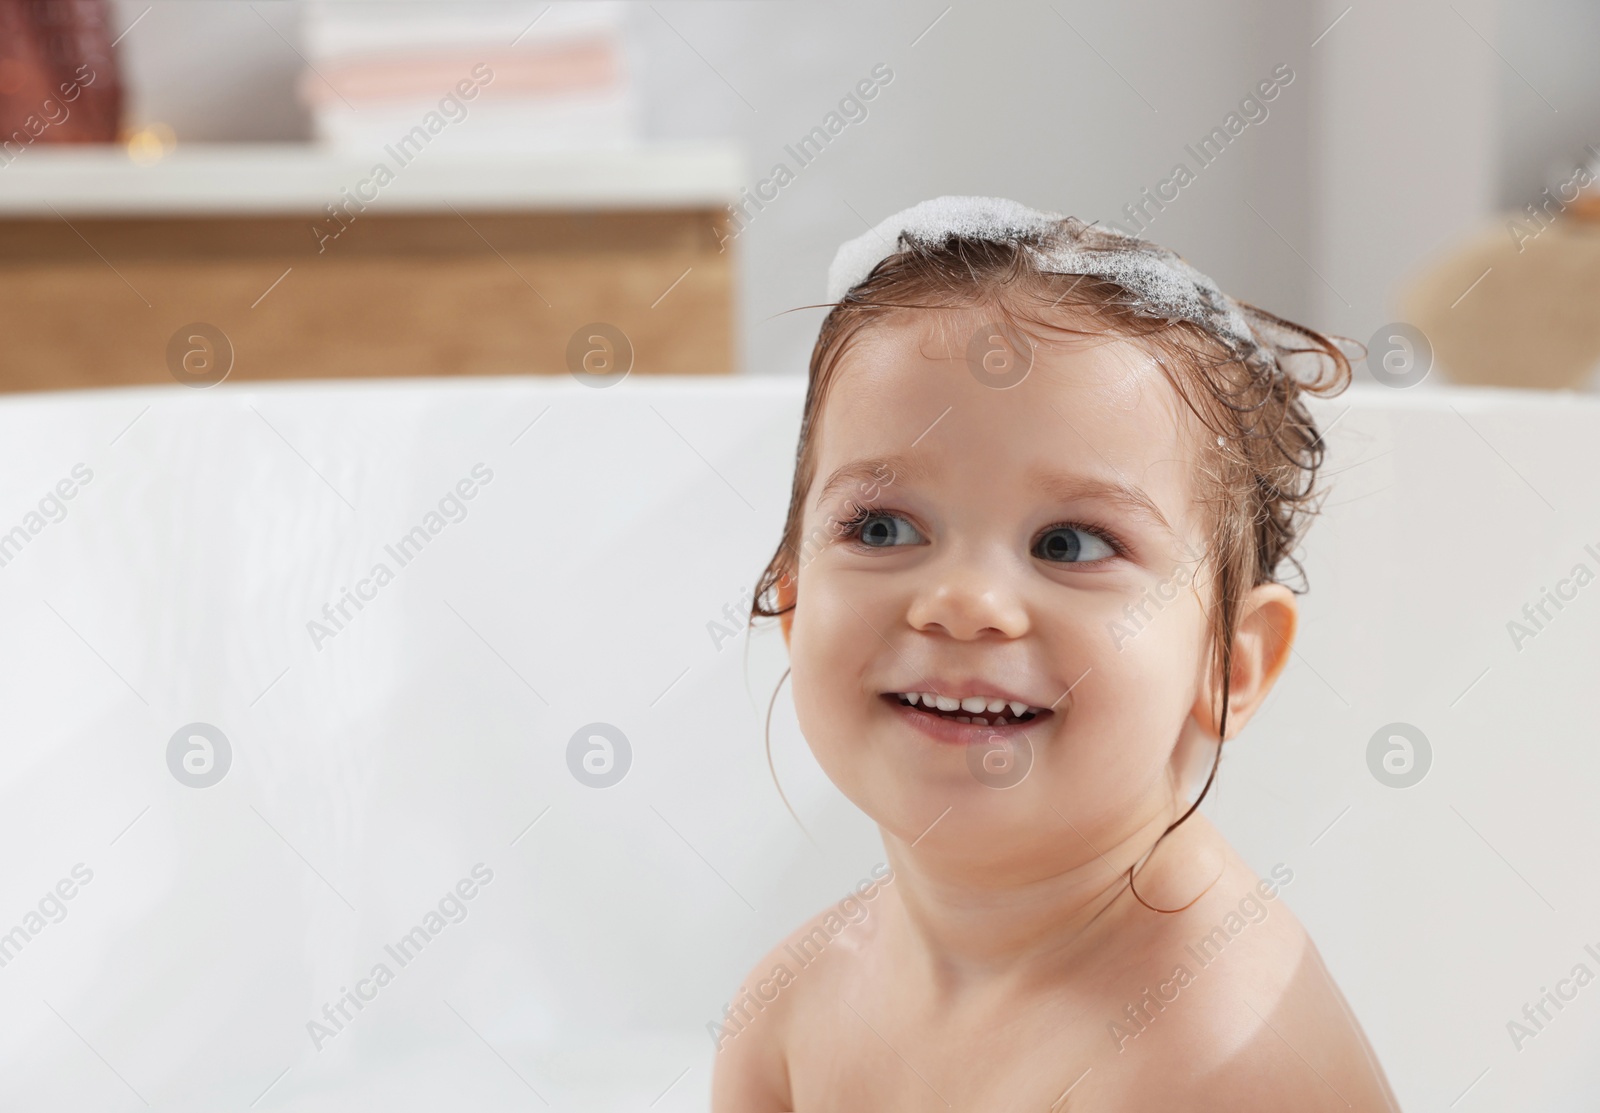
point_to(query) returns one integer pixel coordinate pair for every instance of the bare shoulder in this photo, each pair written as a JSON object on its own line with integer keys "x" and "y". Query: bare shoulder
{"x": 1246, "y": 1015}
{"x": 750, "y": 1071}
{"x": 755, "y": 1037}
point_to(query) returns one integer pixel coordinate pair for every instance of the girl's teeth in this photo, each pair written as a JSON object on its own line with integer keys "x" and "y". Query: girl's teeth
{"x": 987, "y": 709}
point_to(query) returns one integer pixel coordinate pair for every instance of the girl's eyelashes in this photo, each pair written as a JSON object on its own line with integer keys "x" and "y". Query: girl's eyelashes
{"x": 872, "y": 527}
{"x": 865, "y": 527}
{"x": 1057, "y": 545}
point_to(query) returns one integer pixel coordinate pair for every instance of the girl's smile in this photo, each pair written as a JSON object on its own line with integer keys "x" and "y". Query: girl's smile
{"x": 970, "y": 721}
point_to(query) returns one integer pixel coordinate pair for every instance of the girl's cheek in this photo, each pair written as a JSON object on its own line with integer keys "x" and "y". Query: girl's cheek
{"x": 824, "y": 660}
{"x": 1129, "y": 655}
{"x": 1137, "y": 616}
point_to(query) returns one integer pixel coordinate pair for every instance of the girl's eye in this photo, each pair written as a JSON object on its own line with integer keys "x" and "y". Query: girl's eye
{"x": 877, "y": 530}
{"x": 1072, "y": 545}
{"x": 1064, "y": 544}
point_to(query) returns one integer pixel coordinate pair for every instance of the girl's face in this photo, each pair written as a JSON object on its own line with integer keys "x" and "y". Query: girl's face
{"x": 1037, "y": 542}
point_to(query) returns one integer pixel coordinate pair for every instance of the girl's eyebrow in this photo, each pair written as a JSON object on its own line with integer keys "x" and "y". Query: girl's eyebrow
{"x": 883, "y": 471}
{"x": 1067, "y": 488}
{"x": 878, "y": 471}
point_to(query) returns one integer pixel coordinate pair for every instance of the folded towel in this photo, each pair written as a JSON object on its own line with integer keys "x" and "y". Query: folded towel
{"x": 588, "y": 65}
{"x": 330, "y": 28}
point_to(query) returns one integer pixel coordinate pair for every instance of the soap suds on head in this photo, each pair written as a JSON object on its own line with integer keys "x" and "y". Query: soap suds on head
{"x": 1161, "y": 284}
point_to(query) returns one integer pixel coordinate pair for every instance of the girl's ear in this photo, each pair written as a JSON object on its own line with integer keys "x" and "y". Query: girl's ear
{"x": 1261, "y": 648}
{"x": 786, "y": 596}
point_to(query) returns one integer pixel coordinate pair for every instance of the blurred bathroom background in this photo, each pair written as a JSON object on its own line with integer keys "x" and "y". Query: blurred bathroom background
{"x": 683, "y": 172}
{"x": 283, "y": 281}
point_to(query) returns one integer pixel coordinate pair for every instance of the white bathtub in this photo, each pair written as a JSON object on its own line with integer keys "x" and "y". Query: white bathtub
{"x": 375, "y": 763}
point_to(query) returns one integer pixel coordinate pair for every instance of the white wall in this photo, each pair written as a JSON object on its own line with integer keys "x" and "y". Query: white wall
{"x": 1406, "y": 158}
{"x": 1549, "y": 93}
{"x": 1003, "y": 99}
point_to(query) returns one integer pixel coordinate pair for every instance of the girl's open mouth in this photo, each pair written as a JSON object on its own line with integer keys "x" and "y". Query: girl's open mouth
{"x": 963, "y": 726}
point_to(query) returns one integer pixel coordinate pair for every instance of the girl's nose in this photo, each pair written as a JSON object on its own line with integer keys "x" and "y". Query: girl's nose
{"x": 967, "y": 602}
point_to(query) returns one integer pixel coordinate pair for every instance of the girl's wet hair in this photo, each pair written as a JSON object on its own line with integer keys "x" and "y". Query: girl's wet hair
{"x": 1259, "y": 460}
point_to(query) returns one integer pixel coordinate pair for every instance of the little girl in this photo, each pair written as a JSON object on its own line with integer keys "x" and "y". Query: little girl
{"x": 1046, "y": 477}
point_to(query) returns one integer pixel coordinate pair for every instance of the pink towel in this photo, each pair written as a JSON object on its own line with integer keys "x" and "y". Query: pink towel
{"x": 589, "y": 65}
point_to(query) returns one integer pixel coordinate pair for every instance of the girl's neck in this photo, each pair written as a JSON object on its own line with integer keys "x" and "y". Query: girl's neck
{"x": 968, "y": 930}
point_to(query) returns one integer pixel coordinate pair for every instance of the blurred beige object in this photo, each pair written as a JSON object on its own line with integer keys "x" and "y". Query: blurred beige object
{"x": 290, "y": 261}
{"x": 1500, "y": 313}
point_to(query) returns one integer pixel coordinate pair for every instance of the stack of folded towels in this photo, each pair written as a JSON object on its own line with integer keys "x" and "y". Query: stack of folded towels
{"x": 480, "y": 75}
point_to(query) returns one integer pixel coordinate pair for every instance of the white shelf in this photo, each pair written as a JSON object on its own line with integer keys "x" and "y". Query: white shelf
{"x": 302, "y": 178}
